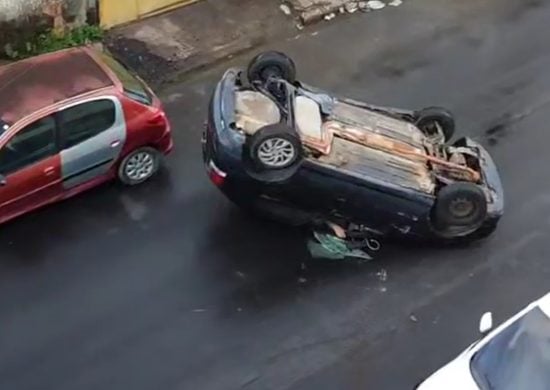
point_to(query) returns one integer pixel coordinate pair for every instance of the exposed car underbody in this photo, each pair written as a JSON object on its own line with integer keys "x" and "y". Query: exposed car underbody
{"x": 274, "y": 142}
{"x": 362, "y": 141}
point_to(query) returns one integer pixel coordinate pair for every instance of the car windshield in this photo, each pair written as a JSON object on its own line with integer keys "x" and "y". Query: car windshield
{"x": 133, "y": 87}
{"x": 518, "y": 357}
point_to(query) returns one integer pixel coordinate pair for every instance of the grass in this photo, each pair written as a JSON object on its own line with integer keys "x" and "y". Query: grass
{"x": 50, "y": 41}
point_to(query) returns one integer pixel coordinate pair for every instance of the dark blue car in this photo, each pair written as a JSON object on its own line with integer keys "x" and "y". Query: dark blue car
{"x": 283, "y": 149}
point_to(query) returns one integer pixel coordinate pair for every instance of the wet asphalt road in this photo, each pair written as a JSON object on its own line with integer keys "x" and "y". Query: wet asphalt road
{"x": 168, "y": 286}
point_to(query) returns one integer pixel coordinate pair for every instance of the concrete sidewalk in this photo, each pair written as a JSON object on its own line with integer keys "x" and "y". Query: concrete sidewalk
{"x": 164, "y": 47}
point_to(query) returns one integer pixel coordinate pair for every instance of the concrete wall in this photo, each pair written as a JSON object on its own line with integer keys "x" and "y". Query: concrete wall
{"x": 22, "y": 20}
{"x": 116, "y": 12}
{"x": 13, "y": 10}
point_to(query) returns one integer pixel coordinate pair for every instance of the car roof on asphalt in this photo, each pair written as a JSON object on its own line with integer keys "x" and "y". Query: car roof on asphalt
{"x": 30, "y": 85}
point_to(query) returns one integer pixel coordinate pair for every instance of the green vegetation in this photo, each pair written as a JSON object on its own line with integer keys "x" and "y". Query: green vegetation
{"x": 52, "y": 41}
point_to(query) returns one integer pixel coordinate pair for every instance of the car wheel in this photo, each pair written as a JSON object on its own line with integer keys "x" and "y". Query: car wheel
{"x": 428, "y": 119}
{"x": 139, "y": 166}
{"x": 271, "y": 64}
{"x": 484, "y": 231}
{"x": 275, "y": 147}
{"x": 460, "y": 205}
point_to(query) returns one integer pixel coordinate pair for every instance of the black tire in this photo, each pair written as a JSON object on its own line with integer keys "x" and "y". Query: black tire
{"x": 484, "y": 231}
{"x": 428, "y": 117}
{"x": 271, "y": 64}
{"x": 274, "y": 147}
{"x": 460, "y": 205}
{"x": 128, "y": 173}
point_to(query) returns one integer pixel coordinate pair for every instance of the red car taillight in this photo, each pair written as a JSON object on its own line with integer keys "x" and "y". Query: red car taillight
{"x": 217, "y": 176}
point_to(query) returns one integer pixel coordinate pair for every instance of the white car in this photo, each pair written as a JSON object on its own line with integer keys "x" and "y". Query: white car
{"x": 514, "y": 356}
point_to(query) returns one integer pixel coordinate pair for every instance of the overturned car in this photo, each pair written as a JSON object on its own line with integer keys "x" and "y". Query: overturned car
{"x": 295, "y": 153}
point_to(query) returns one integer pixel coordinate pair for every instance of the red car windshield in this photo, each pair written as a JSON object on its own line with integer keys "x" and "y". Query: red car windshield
{"x": 133, "y": 87}
{"x": 518, "y": 357}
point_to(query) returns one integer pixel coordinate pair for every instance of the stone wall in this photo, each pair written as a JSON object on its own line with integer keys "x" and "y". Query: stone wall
{"x": 15, "y": 9}
{"x": 11, "y": 10}
{"x": 20, "y": 20}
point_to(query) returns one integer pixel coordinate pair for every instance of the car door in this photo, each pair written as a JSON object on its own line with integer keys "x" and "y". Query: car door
{"x": 30, "y": 169}
{"x": 92, "y": 135}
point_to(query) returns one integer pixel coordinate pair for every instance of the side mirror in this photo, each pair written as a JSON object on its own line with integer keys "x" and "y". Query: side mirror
{"x": 486, "y": 323}
{"x": 3, "y": 180}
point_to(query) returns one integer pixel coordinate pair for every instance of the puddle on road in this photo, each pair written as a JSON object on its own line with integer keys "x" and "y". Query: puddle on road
{"x": 495, "y": 133}
{"x": 136, "y": 210}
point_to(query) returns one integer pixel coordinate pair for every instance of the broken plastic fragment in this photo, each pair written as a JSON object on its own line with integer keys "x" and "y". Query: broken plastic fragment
{"x": 351, "y": 7}
{"x": 395, "y": 3}
{"x": 285, "y": 9}
{"x": 375, "y": 4}
{"x": 382, "y": 275}
{"x": 338, "y": 230}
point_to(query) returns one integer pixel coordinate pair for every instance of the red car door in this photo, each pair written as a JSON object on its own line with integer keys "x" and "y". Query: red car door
{"x": 30, "y": 169}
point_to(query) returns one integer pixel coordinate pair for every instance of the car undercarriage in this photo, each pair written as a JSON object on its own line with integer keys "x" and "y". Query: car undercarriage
{"x": 402, "y": 162}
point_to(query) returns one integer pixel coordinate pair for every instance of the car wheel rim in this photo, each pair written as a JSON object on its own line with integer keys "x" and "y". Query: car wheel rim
{"x": 276, "y": 152}
{"x": 462, "y": 208}
{"x": 140, "y": 166}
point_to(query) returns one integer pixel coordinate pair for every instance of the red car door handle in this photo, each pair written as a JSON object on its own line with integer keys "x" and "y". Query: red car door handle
{"x": 49, "y": 171}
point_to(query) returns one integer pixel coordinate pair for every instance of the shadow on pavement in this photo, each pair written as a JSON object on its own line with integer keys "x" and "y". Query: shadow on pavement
{"x": 106, "y": 210}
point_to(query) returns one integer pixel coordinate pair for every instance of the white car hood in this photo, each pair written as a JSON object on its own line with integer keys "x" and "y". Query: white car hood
{"x": 454, "y": 376}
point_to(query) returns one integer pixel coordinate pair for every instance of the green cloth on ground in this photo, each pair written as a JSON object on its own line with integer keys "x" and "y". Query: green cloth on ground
{"x": 331, "y": 247}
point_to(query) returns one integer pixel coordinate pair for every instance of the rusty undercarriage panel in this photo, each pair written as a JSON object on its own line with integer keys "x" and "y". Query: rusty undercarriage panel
{"x": 357, "y": 160}
{"x": 381, "y": 141}
{"x": 373, "y": 122}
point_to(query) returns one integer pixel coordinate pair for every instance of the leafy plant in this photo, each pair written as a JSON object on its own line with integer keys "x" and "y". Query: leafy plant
{"x": 51, "y": 41}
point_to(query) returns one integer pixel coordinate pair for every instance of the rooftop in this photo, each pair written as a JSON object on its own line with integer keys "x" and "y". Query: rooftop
{"x": 30, "y": 85}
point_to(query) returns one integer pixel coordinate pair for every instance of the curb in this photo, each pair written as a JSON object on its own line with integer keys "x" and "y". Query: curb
{"x": 203, "y": 62}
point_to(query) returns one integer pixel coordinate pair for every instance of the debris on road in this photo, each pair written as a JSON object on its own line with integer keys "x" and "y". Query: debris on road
{"x": 413, "y": 318}
{"x": 375, "y": 4}
{"x": 328, "y": 246}
{"x": 382, "y": 275}
{"x": 351, "y": 7}
{"x": 311, "y": 11}
{"x": 285, "y": 9}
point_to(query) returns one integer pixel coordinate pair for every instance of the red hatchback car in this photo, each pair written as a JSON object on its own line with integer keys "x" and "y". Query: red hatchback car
{"x": 70, "y": 121}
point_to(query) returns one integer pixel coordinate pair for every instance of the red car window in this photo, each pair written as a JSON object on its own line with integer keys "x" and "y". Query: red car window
{"x": 30, "y": 145}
